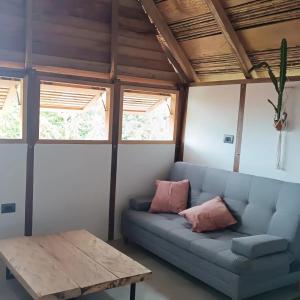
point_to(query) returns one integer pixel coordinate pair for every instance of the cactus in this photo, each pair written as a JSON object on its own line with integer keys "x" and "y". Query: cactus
{"x": 279, "y": 83}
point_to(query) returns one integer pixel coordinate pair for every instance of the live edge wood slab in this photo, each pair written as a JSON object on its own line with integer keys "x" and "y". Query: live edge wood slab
{"x": 69, "y": 264}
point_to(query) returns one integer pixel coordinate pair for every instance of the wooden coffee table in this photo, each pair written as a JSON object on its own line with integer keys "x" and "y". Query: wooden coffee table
{"x": 69, "y": 264}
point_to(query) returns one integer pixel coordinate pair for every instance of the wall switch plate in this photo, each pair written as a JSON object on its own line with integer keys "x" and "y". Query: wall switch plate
{"x": 228, "y": 139}
{"x": 8, "y": 208}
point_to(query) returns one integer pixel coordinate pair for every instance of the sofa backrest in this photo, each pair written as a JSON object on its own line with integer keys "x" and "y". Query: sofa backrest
{"x": 260, "y": 205}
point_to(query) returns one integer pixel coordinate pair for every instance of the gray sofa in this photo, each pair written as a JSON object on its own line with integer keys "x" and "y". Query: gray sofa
{"x": 260, "y": 253}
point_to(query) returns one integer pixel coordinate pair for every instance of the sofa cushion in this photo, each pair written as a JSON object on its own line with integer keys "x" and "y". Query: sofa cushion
{"x": 140, "y": 203}
{"x": 209, "y": 216}
{"x": 170, "y": 196}
{"x": 258, "y": 245}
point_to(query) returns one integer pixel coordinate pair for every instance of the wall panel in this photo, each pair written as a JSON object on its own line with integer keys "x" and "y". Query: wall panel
{"x": 71, "y": 188}
{"x": 259, "y": 144}
{"x": 138, "y": 168}
{"x": 12, "y": 188}
{"x": 212, "y": 112}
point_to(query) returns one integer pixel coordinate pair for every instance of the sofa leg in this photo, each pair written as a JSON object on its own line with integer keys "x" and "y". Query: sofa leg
{"x": 236, "y": 297}
{"x": 125, "y": 240}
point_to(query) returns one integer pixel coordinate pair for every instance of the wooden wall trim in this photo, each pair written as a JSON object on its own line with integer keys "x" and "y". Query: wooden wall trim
{"x": 116, "y": 99}
{"x": 31, "y": 131}
{"x": 114, "y": 39}
{"x": 239, "y": 131}
{"x": 241, "y": 81}
{"x": 15, "y": 73}
{"x": 181, "y": 122}
{"x": 28, "y": 33}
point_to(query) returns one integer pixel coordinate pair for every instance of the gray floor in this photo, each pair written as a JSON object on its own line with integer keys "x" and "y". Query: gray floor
{"x": 167, "y": 283}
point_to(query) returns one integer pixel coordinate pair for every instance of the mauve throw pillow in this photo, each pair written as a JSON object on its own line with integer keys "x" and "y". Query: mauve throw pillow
{"x": 170, "y": 196}
{"x": 209, "y": 216}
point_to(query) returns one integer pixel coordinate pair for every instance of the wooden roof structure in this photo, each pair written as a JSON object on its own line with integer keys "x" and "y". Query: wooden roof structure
{"x": 222, "y": 39}
{"x": 55, "y": 96}
{"x": 180, "y": 41}
{"x": 142, "y": 102}
{"x": 8, "y": 87}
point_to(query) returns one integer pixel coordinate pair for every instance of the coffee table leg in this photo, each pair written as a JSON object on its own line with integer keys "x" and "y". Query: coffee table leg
{"x": 132, "y": 291}
{"x": 9, "y": 275}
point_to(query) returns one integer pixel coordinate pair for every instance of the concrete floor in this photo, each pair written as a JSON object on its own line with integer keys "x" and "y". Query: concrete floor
{"x": 167, "y": 283}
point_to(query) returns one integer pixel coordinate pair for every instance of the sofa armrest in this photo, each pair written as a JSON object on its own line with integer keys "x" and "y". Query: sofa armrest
{"x": 258, "y": 245}
{"x": 140, "y": 203}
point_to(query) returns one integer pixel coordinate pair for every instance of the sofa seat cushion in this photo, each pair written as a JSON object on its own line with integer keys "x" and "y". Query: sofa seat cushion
{"x": 183, "y": 237}
{"x": 176, "y": 229}
{"x": 214, "y": 247}
{"x": 159, "y": 224}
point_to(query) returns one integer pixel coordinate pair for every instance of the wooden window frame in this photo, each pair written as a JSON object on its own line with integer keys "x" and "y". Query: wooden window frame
{"x": 12, "y": 73}
{"x": 86, "y": 83}
{"x": 175, "y": 101}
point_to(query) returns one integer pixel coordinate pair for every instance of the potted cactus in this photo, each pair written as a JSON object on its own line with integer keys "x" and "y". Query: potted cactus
{"x": 279, "y": 84}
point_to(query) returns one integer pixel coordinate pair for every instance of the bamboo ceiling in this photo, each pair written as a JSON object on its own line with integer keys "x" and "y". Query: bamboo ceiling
{"x": 260, "y": 25}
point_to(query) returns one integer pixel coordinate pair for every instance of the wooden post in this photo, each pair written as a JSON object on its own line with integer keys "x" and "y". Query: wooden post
{"x": 116, "y": 98}
{"x": 31, "y": 134}
{"x": 181, "y": 121}
{"x": 239, "y": 131}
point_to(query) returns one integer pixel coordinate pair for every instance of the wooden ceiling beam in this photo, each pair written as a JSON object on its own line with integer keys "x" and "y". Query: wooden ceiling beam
{"x": 169, "y": 39}
{"x": 231, "y": 36}
{"x": 184, "y": 79}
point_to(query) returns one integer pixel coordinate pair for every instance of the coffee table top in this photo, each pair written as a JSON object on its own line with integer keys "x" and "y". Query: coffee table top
{"x": 69, "y": 264}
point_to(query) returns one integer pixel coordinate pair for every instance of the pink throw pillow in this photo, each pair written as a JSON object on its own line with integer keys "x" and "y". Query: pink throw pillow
{"x": 209, "y": 216}
{"x": 170, "y": 196}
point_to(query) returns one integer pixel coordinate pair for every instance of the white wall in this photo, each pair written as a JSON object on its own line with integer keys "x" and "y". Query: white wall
{"x": 71, "y": 188}
{"x": 13, "y": 188}
{"x": 138, "y": 168}
{"x": 259, "y": 144}
{"x": 72, "y": 184}
{"x": 212, "y": 112}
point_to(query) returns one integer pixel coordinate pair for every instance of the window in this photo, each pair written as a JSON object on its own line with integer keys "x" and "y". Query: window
{"x": 148, "y": 116}
{"x": 11, "y": 108}
{"x": 73, "y": 112}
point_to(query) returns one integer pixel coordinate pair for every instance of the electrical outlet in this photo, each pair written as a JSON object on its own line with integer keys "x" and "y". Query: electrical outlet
{"x": 8, "y": 208}
{"x": 228, "y": 139}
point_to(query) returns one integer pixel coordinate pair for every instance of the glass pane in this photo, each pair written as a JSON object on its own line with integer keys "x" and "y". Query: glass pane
{"x": 148, "y": 119}
{"x": 10, "y": 109}
{"x": 73, "y": 113}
